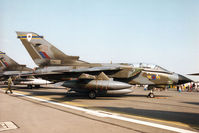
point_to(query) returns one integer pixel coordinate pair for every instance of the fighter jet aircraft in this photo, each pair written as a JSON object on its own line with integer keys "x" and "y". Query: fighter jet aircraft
{"x": 8, "y": 67}
{"x": 92, "y": 77}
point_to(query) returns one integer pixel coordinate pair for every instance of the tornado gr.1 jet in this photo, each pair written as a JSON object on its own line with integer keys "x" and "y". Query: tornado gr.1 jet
{"x": 92, "y": 78}
{"x": 8, "y": 67}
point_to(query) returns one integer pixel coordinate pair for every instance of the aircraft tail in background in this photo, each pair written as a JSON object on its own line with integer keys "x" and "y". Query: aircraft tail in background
{"x": 8, "y": 64}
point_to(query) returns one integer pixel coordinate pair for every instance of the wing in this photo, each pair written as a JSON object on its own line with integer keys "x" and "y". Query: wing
{"x": 93, "y": 69}
{"x": 88, "y": 73}
{"x": 82, "y": 73}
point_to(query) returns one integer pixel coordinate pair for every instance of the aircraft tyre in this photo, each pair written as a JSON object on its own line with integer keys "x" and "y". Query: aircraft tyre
{"x": 151, "y": 95}
{"x": 29, "y": 86}
{"x": 92, "y": 94}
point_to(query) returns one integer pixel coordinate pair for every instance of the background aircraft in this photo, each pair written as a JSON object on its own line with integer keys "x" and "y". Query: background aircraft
{"x": 55, "y": 65}
{"x": 8, "y": 67}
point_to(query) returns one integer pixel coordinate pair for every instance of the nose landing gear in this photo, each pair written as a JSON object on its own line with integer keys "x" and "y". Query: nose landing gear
{"x": 151, "y": 94}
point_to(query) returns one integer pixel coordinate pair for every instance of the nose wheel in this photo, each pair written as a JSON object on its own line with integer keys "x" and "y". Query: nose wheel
{"x": 151, "y": 95}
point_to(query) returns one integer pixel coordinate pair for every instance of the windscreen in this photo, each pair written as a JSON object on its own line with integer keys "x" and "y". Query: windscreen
{"x": 149, "y": 66}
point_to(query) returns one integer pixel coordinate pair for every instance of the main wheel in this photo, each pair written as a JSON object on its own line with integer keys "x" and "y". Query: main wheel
{"x": 92, "y": 94}
{"x": 151, "y": 95}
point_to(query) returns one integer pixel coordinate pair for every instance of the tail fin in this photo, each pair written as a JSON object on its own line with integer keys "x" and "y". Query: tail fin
{"x": 45, "y": 54}
{"x": 3, "y": 64}
{"x": 6, "y": 63}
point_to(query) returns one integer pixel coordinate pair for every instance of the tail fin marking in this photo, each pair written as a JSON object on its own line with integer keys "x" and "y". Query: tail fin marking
{"x": 44, "y": 53}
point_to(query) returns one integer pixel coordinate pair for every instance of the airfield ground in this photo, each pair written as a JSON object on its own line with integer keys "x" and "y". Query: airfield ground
{"x": 50, "y": 109}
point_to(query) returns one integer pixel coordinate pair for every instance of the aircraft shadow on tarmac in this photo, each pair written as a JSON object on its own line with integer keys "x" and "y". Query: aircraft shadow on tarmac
{"x": 71, "y": 95}
{"x": 75, "y": 95}
{"x": 64, "y": 95}
{"x": 194, "y": 103}
{"x": 40, "y": 92}
{"x": 183, "y": 117}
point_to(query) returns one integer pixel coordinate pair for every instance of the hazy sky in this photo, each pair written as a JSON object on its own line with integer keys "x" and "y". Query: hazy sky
{"x": 163, "y": 32}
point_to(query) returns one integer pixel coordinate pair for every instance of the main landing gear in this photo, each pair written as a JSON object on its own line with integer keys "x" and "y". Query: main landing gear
{"x": 92, "y": 94}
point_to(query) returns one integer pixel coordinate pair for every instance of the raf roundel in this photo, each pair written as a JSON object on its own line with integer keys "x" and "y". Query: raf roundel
{"x": 153, "y": 77}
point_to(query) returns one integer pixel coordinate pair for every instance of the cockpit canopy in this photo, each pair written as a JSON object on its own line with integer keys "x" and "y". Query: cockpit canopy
{"x": 149, "y": 66}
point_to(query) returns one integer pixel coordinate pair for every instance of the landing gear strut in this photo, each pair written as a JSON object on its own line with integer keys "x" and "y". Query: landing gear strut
{"x": 92, "y": 94}
{"x": 151, "y": 94}
{"x": 29, "y": 86}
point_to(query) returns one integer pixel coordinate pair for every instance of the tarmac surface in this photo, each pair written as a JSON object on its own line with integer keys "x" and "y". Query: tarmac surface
{"x": 50, "y": 109}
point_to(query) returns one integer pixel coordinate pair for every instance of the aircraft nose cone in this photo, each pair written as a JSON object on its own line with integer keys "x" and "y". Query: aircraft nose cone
{"x": 183, "y": 79}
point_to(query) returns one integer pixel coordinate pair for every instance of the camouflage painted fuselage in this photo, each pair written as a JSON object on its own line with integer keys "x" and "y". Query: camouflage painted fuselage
{"x": 55, "y": 65}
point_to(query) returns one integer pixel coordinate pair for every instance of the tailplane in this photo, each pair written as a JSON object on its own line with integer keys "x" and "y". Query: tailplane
{"x": 45, "y": 54}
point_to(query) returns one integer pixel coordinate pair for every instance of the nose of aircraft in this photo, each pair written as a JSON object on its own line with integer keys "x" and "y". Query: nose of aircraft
{"x": 182, "y": 79}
